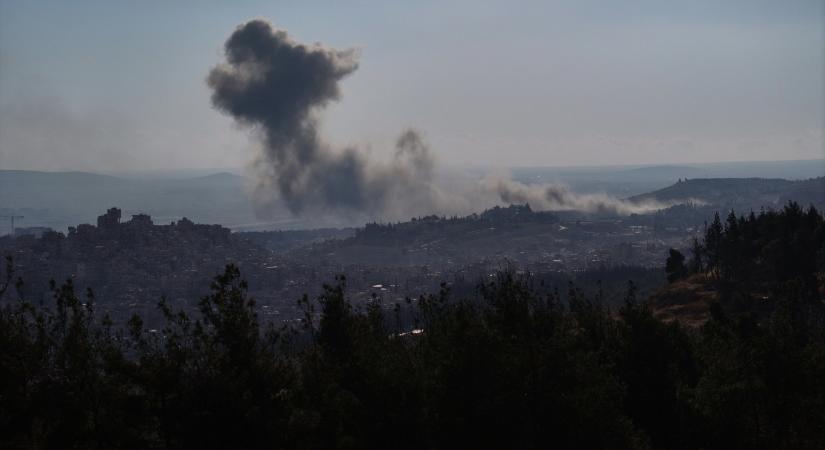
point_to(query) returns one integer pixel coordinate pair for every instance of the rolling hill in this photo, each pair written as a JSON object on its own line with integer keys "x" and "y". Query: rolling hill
{"x": 742, "y": 193}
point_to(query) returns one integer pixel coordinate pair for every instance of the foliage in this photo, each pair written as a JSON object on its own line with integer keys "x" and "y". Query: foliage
{"x": 751, "y": 256}
{"x": 675, "y": 265}
{"x": 505, "y": 367}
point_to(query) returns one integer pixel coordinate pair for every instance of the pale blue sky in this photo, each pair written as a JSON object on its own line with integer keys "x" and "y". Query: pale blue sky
{"x": 120, "y": 85}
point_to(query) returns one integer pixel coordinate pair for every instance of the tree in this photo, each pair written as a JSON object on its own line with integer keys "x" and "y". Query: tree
{"x": 696, "y": 264}
{"x": 713, "y": 244}
{"x": 675, "y": 265}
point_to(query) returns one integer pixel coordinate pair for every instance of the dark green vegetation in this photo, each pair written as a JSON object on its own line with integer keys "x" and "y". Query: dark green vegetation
{"x": 750, "y": 257}
{"x": 506, "y": 367}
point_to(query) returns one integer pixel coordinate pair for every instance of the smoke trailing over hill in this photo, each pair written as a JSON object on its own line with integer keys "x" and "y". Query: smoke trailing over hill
{"x": 553, "y": 196}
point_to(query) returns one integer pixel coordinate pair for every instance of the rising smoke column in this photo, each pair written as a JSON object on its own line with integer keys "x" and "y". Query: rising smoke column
{"x": 277, "y": 87}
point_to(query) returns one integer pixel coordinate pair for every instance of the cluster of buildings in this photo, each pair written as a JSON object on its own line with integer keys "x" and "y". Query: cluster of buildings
{"x": 131, "y": 264}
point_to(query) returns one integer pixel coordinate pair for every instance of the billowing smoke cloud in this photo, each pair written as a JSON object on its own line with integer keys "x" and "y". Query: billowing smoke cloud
{"x": 557, "y": 197}
{"x": 278, "y": 86}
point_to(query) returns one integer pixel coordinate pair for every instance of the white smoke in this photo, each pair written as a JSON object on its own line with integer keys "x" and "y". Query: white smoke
{"x": 557, "y": 197}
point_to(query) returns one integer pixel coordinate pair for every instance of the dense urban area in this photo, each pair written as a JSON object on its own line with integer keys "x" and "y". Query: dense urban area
{"x": 131, "y": 263}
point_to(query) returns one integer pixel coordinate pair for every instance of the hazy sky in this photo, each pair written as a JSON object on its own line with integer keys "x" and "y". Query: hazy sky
{"x": 119, "y": 86}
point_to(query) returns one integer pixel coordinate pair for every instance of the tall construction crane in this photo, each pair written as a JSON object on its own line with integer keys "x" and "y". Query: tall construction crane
{"x": 12, "y": 217}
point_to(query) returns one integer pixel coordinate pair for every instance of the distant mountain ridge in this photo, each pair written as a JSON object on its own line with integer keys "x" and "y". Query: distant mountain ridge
{"x": 61, "y": 199}
{"x": 739, "y": 193}
{"x": 666, "y": 171}
{"x": 630, "y": 180}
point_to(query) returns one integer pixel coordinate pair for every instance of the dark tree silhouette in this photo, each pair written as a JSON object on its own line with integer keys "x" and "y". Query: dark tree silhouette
{"x": 505, "y": 367}
{"x": 675, "y": 265}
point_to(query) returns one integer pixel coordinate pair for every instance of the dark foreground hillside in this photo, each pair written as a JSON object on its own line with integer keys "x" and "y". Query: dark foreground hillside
{"x": 507, "y": 367}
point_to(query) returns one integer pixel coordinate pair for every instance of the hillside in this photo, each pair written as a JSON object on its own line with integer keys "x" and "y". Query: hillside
{"x": 742, "y": 193}
{"x": 747, "y": 264}
{"x": 452, "y": 369}
{"x": 540, "y": 240}
{"x": 626, "y": 181}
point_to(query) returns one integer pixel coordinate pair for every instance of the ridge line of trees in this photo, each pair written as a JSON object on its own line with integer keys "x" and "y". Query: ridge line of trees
{"x": 507, "y": 367}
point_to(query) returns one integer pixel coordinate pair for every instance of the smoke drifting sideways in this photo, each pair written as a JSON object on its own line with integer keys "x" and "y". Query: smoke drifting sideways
{"x": 557, "y": 197}
{"x": 277, "y": 87}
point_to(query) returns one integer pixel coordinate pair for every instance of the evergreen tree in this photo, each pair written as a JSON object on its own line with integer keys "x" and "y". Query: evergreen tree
{"x": 675, "y": 265}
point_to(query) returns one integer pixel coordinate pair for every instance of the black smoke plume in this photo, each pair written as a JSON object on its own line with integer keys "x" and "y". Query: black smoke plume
{"x": 277, "y": 86}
